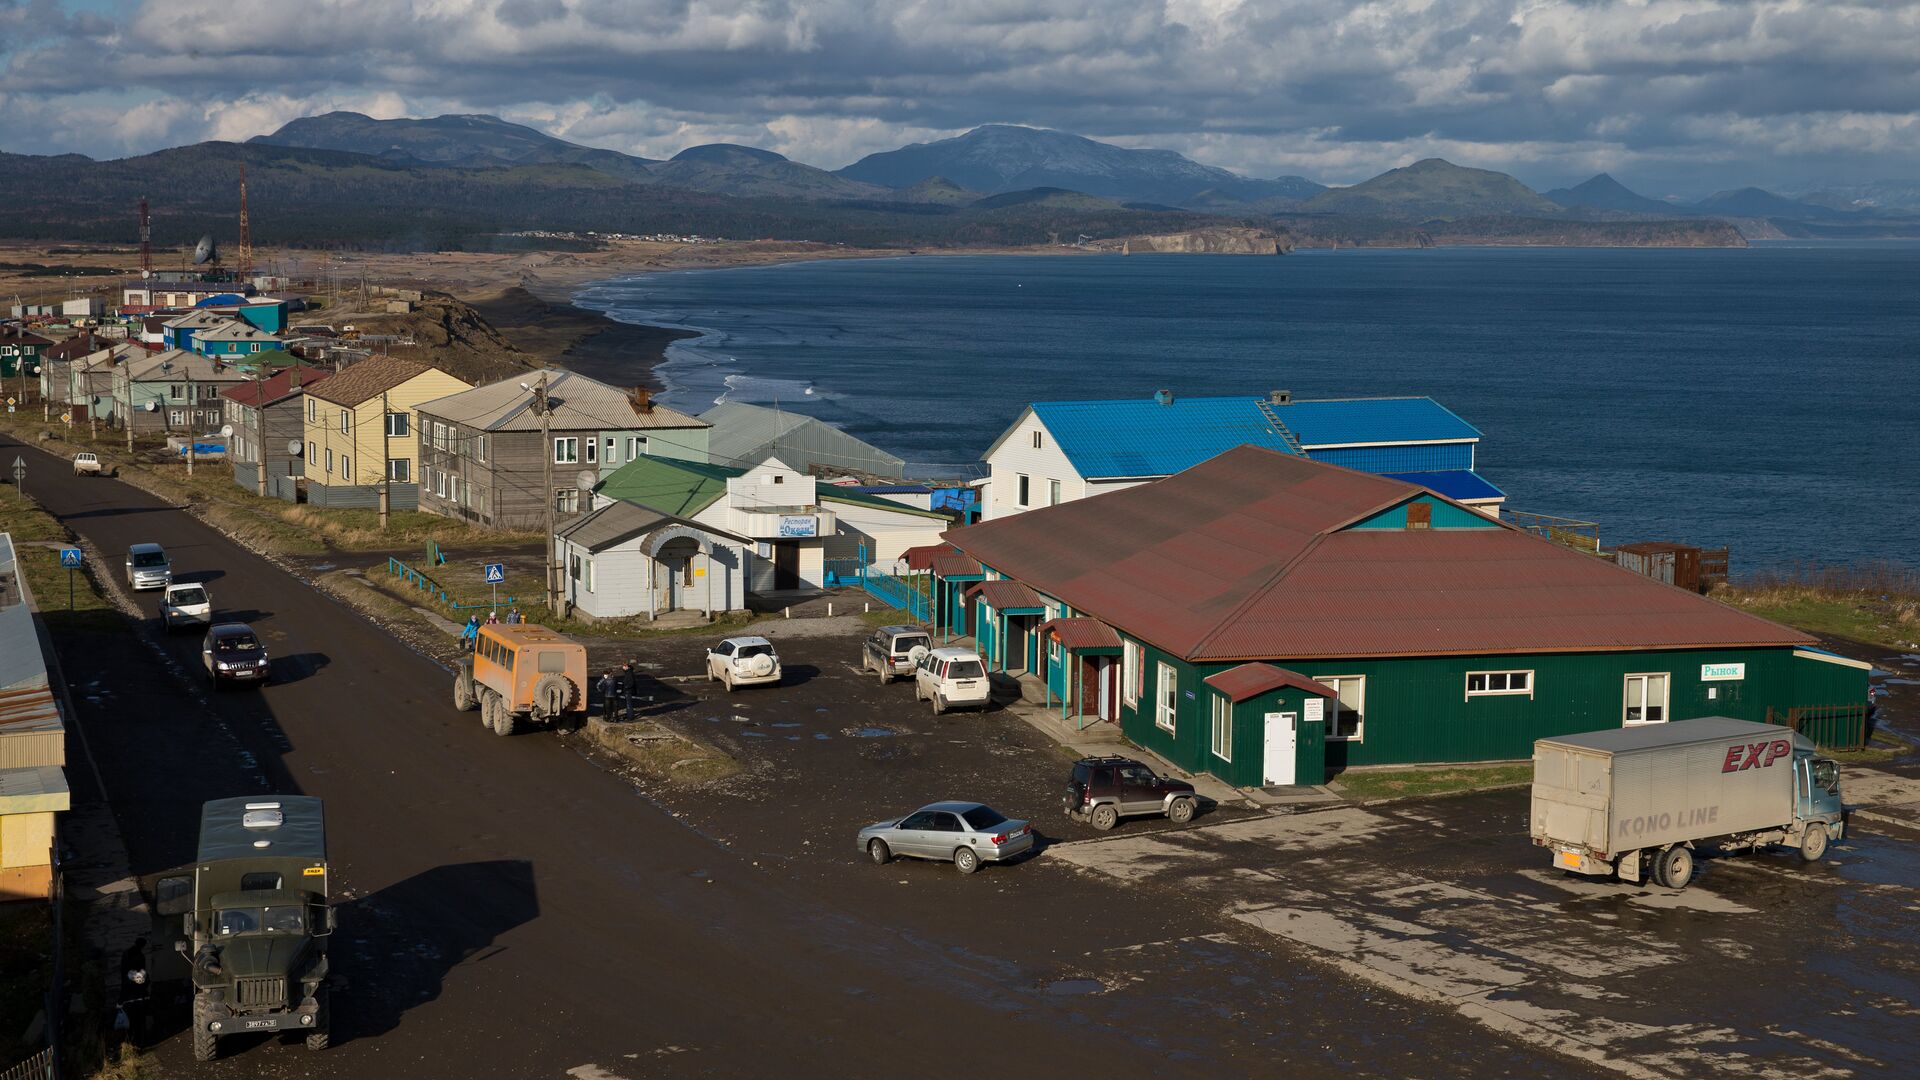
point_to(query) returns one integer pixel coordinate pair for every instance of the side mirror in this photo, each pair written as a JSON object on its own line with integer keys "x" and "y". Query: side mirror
{"x": 180, "y": 946}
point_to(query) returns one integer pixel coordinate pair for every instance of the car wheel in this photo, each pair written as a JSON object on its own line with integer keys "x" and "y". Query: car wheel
{"x": 885, "y": 676}
{"x": 1673, "y": 868}
{"x": 1180, "y": 812}
{"x": 919, "y": 692}
{"x": 1105, "y": 817}
{"x": 939, "y": 703}
{"x": 877, "y": 851}
{"x": 463, "y": 698}
{"x": 1813, "y": 844}
{"x": 711, "y": 677}
{"x": 966, "y": 860}
{"x": 727, "y": 681}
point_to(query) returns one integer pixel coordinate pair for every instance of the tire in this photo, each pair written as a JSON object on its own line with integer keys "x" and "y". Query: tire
{"x": 938, "y": 705}
{"x": 317, "y": 1039}
{"x": 489, "y": 702}
{"x": 1813, "y": 843}
{"x": 1181, "y": 811}
{"x": 553, "y": 695}
{"x": 206, "y": 1045}
{"x": 1674, "y": 868}
{"x": 505, "y": 721}
{"x": 885, "y": 677}
{"x": 918, "y": 693}
{"x": 463, "y": 695}
{"x": 966, "y": 860}
{"x": 879, "y": 852}
{"x": 727, "y": 681}
{"x": 1104, "y": 817}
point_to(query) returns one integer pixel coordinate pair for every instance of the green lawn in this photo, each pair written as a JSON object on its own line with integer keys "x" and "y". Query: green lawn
{"x": 1888, "y": 620}
{"x": 1440, "y": 780}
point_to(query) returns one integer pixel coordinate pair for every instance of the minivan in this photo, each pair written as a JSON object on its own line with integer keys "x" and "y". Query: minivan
{"x": 147, "y": 567}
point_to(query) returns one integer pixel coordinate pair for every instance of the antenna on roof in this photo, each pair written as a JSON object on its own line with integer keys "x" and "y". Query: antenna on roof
{"x": 245, "y": 261}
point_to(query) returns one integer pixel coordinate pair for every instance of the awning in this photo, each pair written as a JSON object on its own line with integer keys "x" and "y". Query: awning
{"x": 1252, "y": 680}
{"x": 921, "y": 558}
{"x": 1081, "y": 634}
{"x": 1009, "y": 597}
{"x": 956, "y": 568}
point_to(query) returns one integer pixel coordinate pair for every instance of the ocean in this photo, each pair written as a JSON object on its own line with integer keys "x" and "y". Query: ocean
{"x": 1761, "y": 399}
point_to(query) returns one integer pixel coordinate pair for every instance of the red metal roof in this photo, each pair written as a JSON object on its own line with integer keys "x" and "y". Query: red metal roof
{"x": 281, "y": 386}
{"x": 1241, "y": 558}
{"x": 921, "y": 558}
{"x": 1079, "y": 633}
{"x": 952, "y": 566}
{"x": 1006, "y": 595}
{"x": 1252, "y": 680}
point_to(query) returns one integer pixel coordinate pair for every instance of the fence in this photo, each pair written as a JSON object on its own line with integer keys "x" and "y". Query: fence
{"x": 909, "y": 593}
{"x": 1569, "y": 532}
{"x": 435, "y": 590}
{"x": 1834, "y": 727}
{"x": 37, "y": 1067}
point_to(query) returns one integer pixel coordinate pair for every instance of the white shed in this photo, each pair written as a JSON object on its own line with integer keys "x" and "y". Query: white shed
{"x": 623, "y": 560}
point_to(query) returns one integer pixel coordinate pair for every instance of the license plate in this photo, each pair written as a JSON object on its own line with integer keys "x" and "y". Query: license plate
{"x": 1570, "y": 859}
{"x": 967, "y": 685}
{"x": 251, "y": 1024}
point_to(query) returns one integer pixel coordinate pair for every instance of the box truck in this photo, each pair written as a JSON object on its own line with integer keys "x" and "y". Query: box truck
{"x": 1634, "y": 801}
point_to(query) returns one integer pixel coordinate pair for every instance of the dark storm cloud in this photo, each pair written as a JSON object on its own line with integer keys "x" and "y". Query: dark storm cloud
{"x": 1687, "y": 92}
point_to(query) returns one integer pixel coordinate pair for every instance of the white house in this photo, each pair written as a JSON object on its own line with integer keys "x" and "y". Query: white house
{"x": 621, "y": 560}
{"x": 1059, "y": 451}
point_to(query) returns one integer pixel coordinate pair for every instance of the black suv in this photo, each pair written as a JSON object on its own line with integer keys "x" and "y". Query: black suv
{"x": 1103, "y": 790}
{"x": 232, "y": 652}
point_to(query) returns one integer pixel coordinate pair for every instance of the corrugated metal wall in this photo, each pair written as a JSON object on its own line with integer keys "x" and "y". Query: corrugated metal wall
{"x": 1398, "y": 459}
{"x": 365, "y": 497}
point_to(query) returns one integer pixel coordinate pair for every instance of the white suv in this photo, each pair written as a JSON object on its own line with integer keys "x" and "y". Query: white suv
{"x": 186, "y": 605}
{"x": 743, "y": 661}
{"x": 952, "y": 677}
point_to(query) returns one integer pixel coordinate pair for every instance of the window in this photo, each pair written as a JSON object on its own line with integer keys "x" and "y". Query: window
{"x": 440, "y": 483}
{"x": 1036, "y": 440}
{"x": 399, "y": 470}
{"x": 346, "y": 422}
{"x": 1646, "y": 699}
{"x": 346, "y": 468}
{"x": 313, "y": 455}
{"x": 453, "y": 490}
{"x": 1349, "y": 719}
{"x": 1222, "y": 727}
{"x": 329, "y": 459}
{"x": 1169, "y": 696}
{"x": 480, "y": 449}
{"x": 1053, "y": 493}
{"x": 589, "y": 575}
{"x": 636, "y": 445}
{"x": 179, "y": 418}
{"x": 313, "y": 410}
{"x": 593, "y": 448}
{"x": 573, "y": 566}
{"x": 566, "y": 451}
{"x": 397, "y": 425}
{"x": 566, "y": 500}
{"x": 1130, "y": 674}
{"x": 1021, "y": 497}
{"x": 174, "y": 392}
{"x": 1496, "y": 683}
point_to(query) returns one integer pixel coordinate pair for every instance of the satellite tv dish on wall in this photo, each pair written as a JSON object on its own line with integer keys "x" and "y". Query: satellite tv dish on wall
{"x": 146, "y": 273}
{"x": 293, "y": 447}
{"x": 226, "y": 430}
{"x": 586, "y": 479}
{"x": 205, "y": 249}
{"x": 153, "y": 406}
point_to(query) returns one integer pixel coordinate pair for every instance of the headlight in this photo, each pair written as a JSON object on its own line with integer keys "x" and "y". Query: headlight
{"x": 223, "y": 665}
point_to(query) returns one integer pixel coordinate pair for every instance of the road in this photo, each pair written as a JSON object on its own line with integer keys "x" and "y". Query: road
{"x": 512, "y": 909}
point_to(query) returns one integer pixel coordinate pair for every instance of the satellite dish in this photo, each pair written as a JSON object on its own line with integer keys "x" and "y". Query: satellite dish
{"x": 586, "y": 479}
{"x": 226, "y": 430}
{"x": 293, "y": 447}
{"x": 153, "y": 406}
{"x": 204, "y": 250}
{"x": 146, "y": 273}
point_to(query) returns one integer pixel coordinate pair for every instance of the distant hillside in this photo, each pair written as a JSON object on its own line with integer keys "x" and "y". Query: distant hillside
{"x": 1433, "y": 189}
{"x": 447, "y": 140}
{"x": 938, "y": 190}
{"x": 1876, "y": 196}
{"x": 726, "y": 169}
{"x": 1058, "y": 198}
{"x": 1754, "y": 202}
{"x": 1603, "y": 192}
{"x": 1000, "y": 158}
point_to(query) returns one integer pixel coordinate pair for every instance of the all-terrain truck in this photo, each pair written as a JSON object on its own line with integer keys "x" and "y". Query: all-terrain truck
{"x": 522, "y": 673}
{"x": 254, "y": 920}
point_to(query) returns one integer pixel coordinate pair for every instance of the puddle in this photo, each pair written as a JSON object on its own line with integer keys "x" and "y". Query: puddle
{"x": 323, "y": 567}
{"x": 821, "y": 735}
{"x": 754, "y": 734}
{"x": 786, "y": 724}
{"x": 1072, "y": 987}
{"x": 793, "y": 738}
{"x": 869, "y": 733}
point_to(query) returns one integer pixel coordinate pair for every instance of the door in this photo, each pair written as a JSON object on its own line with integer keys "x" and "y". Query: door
{"x": 1282, "y": 743}
{"x": 1089, "y": 698}
{"x": 1139, "y": 790}
{"x": 914, "y": 835}
{"x": 1015, "y": 657}
{"x": 786, "y": 567}
{"x": 1109, "y": 708}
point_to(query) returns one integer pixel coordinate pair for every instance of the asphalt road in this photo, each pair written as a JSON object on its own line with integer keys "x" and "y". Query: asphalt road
{"x": 510, "y": 908}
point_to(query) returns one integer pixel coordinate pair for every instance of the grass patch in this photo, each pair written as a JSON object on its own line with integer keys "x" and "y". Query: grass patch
{"x": 888, "y": 617}
{"x": 46, "y": 579}
{"x": 661, "y": 753}
{"x": 531, "y": 609}
{"x": 1877, "y": 604}
{"x": 1881, "y": 747}
{"x": 1442, "y": 780}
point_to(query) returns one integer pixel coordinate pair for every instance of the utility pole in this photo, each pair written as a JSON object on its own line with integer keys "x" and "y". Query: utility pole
{"x": 260, "y": 421}
{"x": 127, "y": 420}
{"x": 386, "y": 460}
{"x": 545, "y": 411}
{"x": 193, "y": 414}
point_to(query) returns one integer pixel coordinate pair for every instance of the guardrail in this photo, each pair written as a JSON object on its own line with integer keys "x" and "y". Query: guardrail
{"x": 428, "y": 585}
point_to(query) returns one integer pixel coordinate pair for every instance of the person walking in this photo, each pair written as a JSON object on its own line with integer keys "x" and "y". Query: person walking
{"x": 606, "y": 694}
{"x": 493, "y": 618}
{"x": 470, "y": 634}
{"x": 626, "y": 685}
{"x": 513, "y": 616}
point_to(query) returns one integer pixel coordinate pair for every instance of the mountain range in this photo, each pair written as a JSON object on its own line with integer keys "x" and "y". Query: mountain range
{"x": 346, "y": 178}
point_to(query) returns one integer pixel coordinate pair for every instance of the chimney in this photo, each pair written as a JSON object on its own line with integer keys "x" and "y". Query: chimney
{"x": 1279, "y": 397}
{"x": 642, "y": 400}
{"x": 1163, "y": 397}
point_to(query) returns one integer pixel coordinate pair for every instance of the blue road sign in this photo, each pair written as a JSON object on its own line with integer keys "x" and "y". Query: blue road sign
{"x": 496, "y": 573}
{"x": 70, "y": 558}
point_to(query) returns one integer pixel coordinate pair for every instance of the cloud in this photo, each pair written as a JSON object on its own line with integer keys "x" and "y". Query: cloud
{"x": 1688, "y": 93}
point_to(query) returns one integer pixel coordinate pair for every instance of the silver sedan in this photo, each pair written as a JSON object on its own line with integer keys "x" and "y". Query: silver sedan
{"x": 968, "y": 833}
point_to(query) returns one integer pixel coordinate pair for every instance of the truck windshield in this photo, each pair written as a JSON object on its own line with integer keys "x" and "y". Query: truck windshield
{"x": 1826, "y": 776}
{"x": 273, "y": 919}
{"x": 188, "y": 596}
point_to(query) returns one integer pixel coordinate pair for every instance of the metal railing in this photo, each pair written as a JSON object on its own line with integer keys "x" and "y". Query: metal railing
{"x": 911, "y": 593}
{"x": 1833, "y": 727}
{"x": 434, "y": 589}
{"x": 1567, "y": 532}
{"x": 37, "y": 1067}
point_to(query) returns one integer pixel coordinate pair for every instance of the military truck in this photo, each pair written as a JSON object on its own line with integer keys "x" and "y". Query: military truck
{"x": 254, "y": 920}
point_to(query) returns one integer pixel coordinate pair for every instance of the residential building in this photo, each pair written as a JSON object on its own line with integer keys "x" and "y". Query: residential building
{"x": 1059, "y": 451}
{"x": 623, "y": 559}
{"x": 18, "y": 346}
{"x": 359, "y": 429}
{"x": 174, "y": 289}
{"x": 746, "y": 435}
{"x": 175, "y": 390}
{"x": 798, "y": 526}
{"x": 153, "y": 331}
{"x": 85, "y": 307}
{"x": 1271, "y": 619}
{"x": 268, "y": 417}
{"x": 179, "y": 331}
{"x": 86, "y": 387}
{"x": 56, "y": 362}
{"x": 234, "y": 340}
{"x": 33, "y": 756}
{"x": 484, "y": 457}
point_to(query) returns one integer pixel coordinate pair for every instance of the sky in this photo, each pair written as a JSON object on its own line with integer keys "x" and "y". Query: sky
{"x": 1674, "y": 97}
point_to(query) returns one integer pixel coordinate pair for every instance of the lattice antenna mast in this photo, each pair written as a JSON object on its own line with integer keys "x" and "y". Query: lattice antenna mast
{"x": 245, "y": 261}
{"x": 146, "y": 239}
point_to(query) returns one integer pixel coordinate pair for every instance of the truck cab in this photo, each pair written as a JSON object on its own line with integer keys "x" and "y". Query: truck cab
{"x": 254, "y": 920}
{"x": 1816, "y": 785}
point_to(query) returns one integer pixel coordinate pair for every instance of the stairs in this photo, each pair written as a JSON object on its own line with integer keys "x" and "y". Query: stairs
{"x": 1281, "y": 429}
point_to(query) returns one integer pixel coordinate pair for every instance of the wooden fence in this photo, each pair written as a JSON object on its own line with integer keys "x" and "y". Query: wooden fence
{"x": 1834, "y": 727}
{"x": 37, "y": 1067}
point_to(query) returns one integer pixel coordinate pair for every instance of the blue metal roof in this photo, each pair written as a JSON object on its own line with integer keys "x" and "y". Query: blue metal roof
{"x": 1142, "y": 437}
{"x": 1458, "y": 484}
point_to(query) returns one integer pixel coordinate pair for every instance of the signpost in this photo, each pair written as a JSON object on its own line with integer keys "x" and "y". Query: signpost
{"x": 496, "y": 573}
{"x": 20, "y": 474}
{"x": 70, "y": 558}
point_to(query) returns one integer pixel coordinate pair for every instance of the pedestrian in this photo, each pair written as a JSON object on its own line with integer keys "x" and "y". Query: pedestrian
{"x": 626, "y": 685}
{"x": 513, "y": 617}
{"x": 470, "y": 635}
{"x": 606, "y": 694}
{"x": 133, "y": 991}
{"x": 493, "y": 618}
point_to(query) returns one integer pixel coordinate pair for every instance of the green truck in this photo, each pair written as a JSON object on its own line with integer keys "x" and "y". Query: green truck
{"x": 254, "y": 920}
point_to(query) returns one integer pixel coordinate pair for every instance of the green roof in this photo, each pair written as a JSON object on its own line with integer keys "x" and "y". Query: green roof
{"x": 684, "y": 488}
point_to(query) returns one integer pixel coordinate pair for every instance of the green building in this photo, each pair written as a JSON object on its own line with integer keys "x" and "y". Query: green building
{"x": 1273, "y": 620}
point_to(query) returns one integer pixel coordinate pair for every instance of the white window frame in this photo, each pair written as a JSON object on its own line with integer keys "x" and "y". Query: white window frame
{"x": 1022, "y": 489}
{"x": 440, "y": 483}
{"x": 313, "y": 410}
{"x": 610, "y": 454}
{"x": 398, "y": 470}
{"x": 1507, "y": 690}
{"x": 1222, "y": 737}
{"x": 1645, "y": 677}
{"x": 589, "y": 580}
{"x": 593, "y": 450}
{"x": 636, "y": 445}
{"x": 313, "y": 454}
{"x": 572, "y": 445}
{"x": 566, "y": 500}
{"x": 1166, "y": 704}
{"x": 1132, "y": 658}
{"x": 346, "y": 468}
{"x": 329, "y": 461}
{"x": 404, "y": 427}
{"x": 1036, "y": 438}
{"x": 1336, "y": 706}
{"x": 346, "y": 421}
{"x": 480, "y": 449}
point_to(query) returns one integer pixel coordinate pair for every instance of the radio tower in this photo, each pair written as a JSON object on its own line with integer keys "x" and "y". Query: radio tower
{"x": 245, "y": 261}
{"x": 146, "y": 240}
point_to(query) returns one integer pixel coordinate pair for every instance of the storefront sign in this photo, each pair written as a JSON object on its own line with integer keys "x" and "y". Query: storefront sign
{"x": 1722, "y": 672}
{"x": 799, "y": 525}
{"x": 1316, "y": 710}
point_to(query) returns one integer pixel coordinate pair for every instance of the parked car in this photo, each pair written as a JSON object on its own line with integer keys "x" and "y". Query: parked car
{"x": 148, "y": 568}
{"x": 1102, "y": 790}
{"x": 743, "y": 661}
{"x": 894, "y": 651}
{"x": 967, "y": 833}
{"x": 86, "y": 464}
{"x": 186, "y": 605}
{"x": 950, "y": 678}
{"x": 234, "y": 653}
